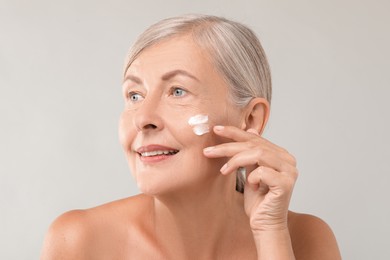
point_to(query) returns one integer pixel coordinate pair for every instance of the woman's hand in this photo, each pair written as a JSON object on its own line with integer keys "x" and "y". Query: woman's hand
{"x": 271, "y": 175}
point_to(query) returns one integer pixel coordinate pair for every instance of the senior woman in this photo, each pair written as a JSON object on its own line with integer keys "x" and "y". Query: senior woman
{"x": 197, "y": 93}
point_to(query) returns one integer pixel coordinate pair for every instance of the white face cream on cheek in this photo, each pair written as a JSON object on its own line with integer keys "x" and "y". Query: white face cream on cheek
{"x": 199, "y": 124}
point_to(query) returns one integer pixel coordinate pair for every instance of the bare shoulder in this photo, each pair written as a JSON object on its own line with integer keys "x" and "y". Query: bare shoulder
{"x": 66, "y": 236}
{"x": 312, "y": 238}
{"x": 97, "y": 232}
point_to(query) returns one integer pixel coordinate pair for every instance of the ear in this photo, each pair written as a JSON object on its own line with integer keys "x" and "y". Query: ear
{"x": 256, "y": 114}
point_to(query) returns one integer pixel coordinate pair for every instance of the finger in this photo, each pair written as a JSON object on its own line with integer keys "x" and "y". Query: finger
{"x": 232, "y": 148}
{"x": 253, "y": 131}
{"x": 254, "y": 182}
{"x": 236, "y": 134}
{"x": 272, "y": 178}
{"x": 258, "y": 157}
{"x": 227, "y": 149}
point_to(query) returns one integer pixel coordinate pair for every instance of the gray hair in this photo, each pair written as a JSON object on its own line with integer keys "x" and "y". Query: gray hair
{"x": 234, "y": 49}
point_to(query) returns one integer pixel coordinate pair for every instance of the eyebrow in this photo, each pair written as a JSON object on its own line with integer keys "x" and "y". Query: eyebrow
{"x": 165, "y": 77}
{"x": 171, "y": 74}
{"x": 132, "y": 78}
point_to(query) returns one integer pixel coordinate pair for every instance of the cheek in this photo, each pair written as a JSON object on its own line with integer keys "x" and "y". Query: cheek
{"x": 126, "y": 130}
{"x": 199, "y": 124}
{"x": 197, "y": 136}
{"x": 181, "y": 131}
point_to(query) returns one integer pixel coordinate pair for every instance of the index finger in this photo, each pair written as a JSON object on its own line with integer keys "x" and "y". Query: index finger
{"x": 234, "y": 133}
{"x": 238, "y": 135}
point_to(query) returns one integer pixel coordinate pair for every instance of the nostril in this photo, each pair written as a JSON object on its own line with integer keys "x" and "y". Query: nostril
{"x": 149, "y": 126}
{"x": 146, "y": 120}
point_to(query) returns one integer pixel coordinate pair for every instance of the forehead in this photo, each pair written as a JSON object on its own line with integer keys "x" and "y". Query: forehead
{"x": 172, "y": 54}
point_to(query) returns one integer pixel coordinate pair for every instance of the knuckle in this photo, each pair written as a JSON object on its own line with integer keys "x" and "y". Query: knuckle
{"x": 250, "y": 145}
{"x": 290, "y": 158}
{"x": 290, "y": 179}
{"x": 260, "y": 152}
{"x": 296, "y": 174}
{"x": 293, "y": 160}
{"x": 284, "y": 150}
{"x": 289, "y": 184}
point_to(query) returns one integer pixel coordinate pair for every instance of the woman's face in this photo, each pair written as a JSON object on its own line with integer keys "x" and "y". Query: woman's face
{"x": 166, "y": 85}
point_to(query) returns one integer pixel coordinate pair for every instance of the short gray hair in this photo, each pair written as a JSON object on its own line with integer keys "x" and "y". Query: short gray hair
{"x": 234, "y": 49}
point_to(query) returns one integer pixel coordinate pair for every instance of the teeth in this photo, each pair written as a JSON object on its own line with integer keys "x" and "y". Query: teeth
{"x": 154, "y": 153}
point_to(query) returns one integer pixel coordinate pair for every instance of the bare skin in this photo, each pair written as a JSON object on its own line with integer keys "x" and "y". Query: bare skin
{"x": 189, "y": 208}
{"x": 124, "y": 229}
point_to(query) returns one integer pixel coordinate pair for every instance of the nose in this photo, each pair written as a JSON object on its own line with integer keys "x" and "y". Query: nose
{"x": 147, "y": 117}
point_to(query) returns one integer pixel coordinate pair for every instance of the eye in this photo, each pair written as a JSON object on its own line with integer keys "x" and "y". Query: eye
{"x": 134, "y": 96}
{"x": 178, "y": 92}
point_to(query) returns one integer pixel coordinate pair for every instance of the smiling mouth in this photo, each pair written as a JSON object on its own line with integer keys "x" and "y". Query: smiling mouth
{"x": 158, "y": 153}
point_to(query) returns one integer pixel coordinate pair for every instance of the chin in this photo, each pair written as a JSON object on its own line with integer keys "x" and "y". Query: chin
{"x": 153, "y": 190}
{"x": 168, "y": 185}
{"x": 151, "y": 184}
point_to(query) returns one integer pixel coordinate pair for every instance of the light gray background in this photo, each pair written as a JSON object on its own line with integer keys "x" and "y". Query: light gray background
{"x": 60, "y": 99}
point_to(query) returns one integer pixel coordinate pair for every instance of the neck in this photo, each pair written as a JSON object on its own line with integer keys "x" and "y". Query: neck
{"x": 201, "y": 220}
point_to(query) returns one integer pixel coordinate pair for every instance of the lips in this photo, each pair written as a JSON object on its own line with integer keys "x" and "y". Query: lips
{"x": 155, "y": 151}
{"x": 159, "y": 152}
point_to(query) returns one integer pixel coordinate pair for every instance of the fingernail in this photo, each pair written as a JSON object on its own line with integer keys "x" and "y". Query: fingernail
{"x": 224, "y": 167}
{"x": 218, "y": 128}
{"x": 208, "y": 149}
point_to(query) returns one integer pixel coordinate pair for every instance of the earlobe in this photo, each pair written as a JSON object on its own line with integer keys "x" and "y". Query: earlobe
{"x": 243, "y": 125}
{"x": 257, "y": 113}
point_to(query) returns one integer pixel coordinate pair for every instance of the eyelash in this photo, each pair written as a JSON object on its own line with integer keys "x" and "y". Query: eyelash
{"x": 174, "y": 89}
{"x": 130, "y": 94}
